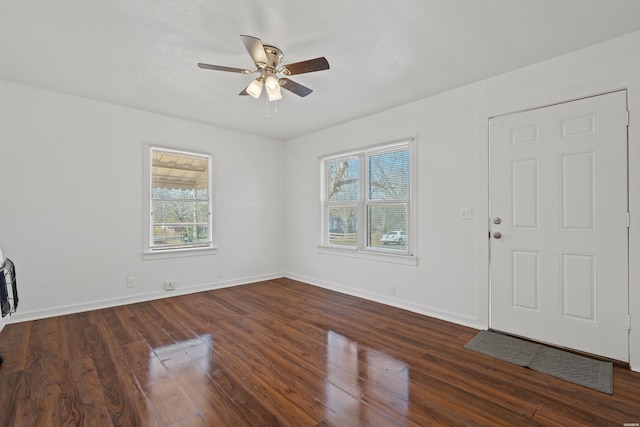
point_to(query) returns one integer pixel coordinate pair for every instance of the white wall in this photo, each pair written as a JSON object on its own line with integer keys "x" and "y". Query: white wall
{"x": 451, "y": 279}
{"x": 445, "y": 282}
{"x": 71, "y": 210}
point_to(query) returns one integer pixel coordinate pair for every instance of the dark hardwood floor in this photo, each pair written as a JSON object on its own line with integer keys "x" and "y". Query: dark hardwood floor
{"x": 278, "y": 353}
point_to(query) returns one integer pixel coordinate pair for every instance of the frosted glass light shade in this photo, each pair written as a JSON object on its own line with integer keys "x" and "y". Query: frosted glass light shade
{"x": 272, "y": 83}
{"x": 273, "y": 88}
{"x": 275, "y": 95}
{"x": 255, "y": 88}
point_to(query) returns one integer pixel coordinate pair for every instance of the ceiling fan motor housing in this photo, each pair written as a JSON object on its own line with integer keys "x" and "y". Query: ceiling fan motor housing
{"x": 274, "y": 57}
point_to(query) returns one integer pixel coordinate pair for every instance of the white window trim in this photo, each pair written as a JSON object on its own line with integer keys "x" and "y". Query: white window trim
{"x": 148, "y": 253}
{"x": 362, "y": 251}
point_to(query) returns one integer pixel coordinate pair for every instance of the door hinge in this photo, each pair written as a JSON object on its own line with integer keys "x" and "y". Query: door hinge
{"x": 628, "y": 118}
{"x": 628, "y": 219}
{"x": 628, "y": 322}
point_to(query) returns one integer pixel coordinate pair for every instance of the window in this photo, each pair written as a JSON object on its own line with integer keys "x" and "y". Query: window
{"x": 179, "y": 200}
{"x": 368, "y": 199}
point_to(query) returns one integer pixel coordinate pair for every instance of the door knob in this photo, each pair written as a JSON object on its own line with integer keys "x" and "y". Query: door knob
{"x": 497, "y": 235}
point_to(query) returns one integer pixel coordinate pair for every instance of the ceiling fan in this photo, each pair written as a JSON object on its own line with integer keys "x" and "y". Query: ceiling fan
{"x": 267, "y": 58}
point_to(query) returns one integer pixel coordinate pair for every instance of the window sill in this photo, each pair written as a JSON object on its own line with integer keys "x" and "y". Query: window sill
{"x": 372, "y": 256}
{"x": 178, "y": 253}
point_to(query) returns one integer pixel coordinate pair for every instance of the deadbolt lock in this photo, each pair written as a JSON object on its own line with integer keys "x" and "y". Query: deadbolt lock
{"x": 497, "y": 220}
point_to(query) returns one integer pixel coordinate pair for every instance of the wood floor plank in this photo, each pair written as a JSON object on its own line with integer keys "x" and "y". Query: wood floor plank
{"x": 126, "y": 405}
{"x": 13, "y": 396}
{"x": 42, "y": 365}
{"x": 278, "y": 353}
{"x": 81, "y": 399}
{"x": 15, "y": 342}
{"x": 44, "y": 412}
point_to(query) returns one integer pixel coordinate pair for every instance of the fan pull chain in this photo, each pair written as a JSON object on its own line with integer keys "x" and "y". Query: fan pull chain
{"x": 266, "y": 107}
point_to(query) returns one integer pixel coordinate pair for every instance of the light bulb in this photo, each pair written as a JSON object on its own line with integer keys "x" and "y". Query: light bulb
{"x": 255, "y": 88}
{"x": 272, "y": 83}
{"x": 273, "y": 88}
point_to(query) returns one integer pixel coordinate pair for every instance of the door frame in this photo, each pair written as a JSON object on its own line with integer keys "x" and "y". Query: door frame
{"x": 630, "y": 83}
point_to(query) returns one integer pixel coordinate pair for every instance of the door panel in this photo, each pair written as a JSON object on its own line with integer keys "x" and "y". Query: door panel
{"x": 526, "y": 280}
{"x": 579, "y": 287}
{"x": 558, "y": 184}
{"x": 525, "y": 204}
{"x": 578, "y": 195}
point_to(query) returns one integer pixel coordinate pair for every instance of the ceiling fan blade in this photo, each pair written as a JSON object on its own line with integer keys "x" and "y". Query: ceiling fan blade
{"x": 256, "y": 50}
{"x": 244, "y": 91}
{"x": 221, "y": 68}
{"x": 308, "y": 66}
{"x": 294, "y": 87}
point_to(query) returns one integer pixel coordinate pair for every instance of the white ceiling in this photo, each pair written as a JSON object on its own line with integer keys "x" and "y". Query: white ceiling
{"x": 383, "y": 53}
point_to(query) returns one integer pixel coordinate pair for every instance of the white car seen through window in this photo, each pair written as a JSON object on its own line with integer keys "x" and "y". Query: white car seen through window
{"x": 399, "y": 237}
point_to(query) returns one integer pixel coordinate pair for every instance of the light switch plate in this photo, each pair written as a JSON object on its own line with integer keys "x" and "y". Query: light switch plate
{"x": 466, "y": 213}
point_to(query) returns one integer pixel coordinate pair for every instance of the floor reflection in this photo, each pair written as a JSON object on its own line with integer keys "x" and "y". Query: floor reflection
{"x": 172, "y": 370}
{"x": 355, "y": 372}
{"x": 181, "y": 355}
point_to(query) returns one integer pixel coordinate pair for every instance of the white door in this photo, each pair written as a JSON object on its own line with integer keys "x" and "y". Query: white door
{"x": 558, "y": 201}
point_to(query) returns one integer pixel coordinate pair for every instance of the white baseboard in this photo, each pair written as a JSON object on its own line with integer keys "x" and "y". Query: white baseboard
{"x": 24, "y": 316}
{"x": 394, "y": 302}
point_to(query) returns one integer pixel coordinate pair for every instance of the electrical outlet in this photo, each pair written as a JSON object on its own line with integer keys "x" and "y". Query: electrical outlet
{"x": 170, "y": 285}
{"x": 220, "y": 274}
{"x": 131, "y": 281}
{"x": 393, "y": 290}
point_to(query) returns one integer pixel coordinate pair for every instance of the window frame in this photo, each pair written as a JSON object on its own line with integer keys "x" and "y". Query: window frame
{"x": 149, "y": 250}
{"x": 361, "y": 249}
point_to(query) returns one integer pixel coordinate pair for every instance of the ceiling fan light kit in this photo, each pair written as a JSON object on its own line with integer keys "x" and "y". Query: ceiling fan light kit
{"x": 267, "y": 60}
